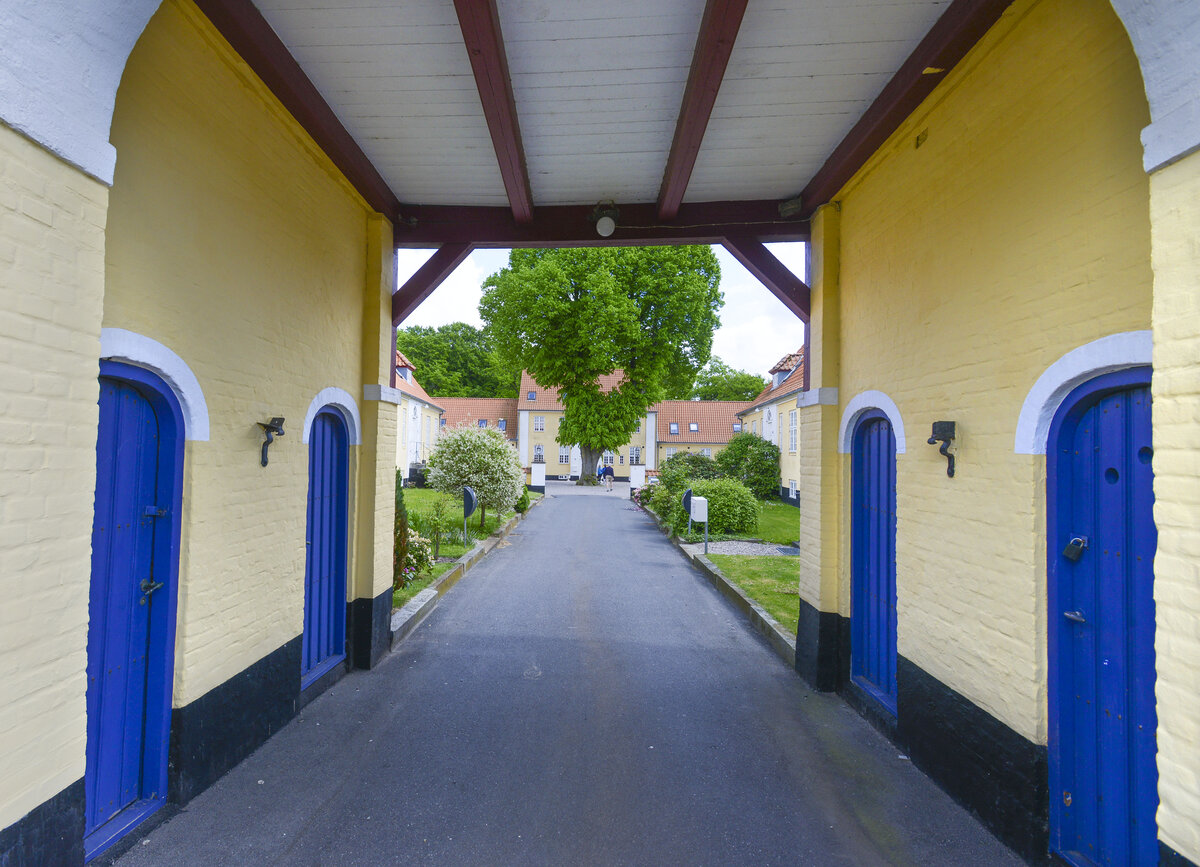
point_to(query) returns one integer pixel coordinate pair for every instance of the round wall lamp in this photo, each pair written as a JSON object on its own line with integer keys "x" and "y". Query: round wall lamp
{"x": 604, "y": 216}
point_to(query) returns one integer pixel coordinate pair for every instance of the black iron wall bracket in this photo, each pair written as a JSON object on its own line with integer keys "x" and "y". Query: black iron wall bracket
{"x": 943, "y": 432}
{"x": 272, "y": 428}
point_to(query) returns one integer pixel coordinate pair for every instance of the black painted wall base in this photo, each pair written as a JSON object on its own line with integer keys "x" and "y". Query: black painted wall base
{"x": 370, "y": 629}
{"x": 993, "y": 771}
{"x": 230, "y": 721}
{"x": 50, "y": 833}
{"x": 817, "y": 647}
{"x": 536, "y": 489}
{"x": 785, "y": 494}
{"x": 1167, "y": 857}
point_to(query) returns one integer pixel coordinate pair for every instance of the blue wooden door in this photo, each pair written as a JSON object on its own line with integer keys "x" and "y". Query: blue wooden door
{"x": 129, "y": 611}
{"x": 873, "y": 560}
{"x": 324, "y": 643}
{"x": 1103, "y": 775}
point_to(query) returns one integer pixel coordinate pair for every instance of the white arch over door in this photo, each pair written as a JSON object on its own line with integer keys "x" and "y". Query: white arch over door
{"x": 864, "y": 402}
{"x": 342, "y": 400}
{"x": 1114, "y": 352}
{"x": 117, "y": 344}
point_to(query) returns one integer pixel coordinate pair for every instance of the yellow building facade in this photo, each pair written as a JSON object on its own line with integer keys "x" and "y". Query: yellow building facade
{"x": 229, "y": 275}
{"x": 990, "y": 259}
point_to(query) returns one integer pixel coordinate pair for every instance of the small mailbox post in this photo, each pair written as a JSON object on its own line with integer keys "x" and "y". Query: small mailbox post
{"x": 470, "y": 502}
{"x": 699, "y": 512}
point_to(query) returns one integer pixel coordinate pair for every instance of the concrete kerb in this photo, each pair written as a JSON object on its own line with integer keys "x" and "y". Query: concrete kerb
{"x": 783, "y": 644}
{"x": 408, "y": 618}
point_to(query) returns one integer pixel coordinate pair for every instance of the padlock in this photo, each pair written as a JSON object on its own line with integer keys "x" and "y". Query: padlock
{"x": 1075, "y": 548}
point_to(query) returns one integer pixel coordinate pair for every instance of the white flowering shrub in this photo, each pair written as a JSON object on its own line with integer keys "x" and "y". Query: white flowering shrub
{"x": 481, "y": 458}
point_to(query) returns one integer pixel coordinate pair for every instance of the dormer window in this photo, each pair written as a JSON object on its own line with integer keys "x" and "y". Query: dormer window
{"x": 675, "y": 427}
{"x": 532, "y": 395}
{"x": 502, "y": 424}
{"x": 404, "y": 373}
{"x": 737, "y": 427}
{"x": 780, "y": 377}
{"x": 483, "y": 422}
{"x": 694, "y": 426}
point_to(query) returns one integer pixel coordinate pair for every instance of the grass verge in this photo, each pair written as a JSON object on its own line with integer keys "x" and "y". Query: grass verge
{"x": 779, "y": 523}
{"x": 772, "y": 582}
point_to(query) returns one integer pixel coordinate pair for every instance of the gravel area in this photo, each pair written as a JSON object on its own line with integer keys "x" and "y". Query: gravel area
{"x": 755, "y": 549}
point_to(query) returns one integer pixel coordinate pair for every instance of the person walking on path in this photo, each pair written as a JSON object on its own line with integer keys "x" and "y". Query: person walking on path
{"x": 608, "y": 474}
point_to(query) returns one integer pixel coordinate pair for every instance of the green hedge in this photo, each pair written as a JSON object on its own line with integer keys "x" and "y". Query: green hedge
{"x": 731, "y": 506}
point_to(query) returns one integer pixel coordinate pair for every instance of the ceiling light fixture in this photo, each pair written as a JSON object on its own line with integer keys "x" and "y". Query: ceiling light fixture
{"x": 604, "y": 216}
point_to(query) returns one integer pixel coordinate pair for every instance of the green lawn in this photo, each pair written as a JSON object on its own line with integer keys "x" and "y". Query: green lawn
{"x": 772, "y": 582}
{"x": 779, "y": 523}
{"x": 419, "y": 503}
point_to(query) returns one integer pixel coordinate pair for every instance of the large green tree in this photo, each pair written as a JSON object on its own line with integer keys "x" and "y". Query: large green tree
{"x": 457, "y": 360}
{"x": 718, "y": 381}
{"x": 571, "y": 316}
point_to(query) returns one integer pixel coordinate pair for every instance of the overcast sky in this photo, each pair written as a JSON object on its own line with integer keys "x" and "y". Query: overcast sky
{"x": 756, "y": 329}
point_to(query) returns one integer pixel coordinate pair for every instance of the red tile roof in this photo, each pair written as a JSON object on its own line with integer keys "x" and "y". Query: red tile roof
{"x": 413, "y": 389}
{"x": 715, "y": 418}
{"x": 547, "y": 399}
{"x": 469, "y": 410}
{"x": 399, "y": 360}
{"x": 793, "y": 383}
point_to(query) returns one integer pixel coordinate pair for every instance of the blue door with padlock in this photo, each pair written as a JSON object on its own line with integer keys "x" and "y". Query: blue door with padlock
{"x": 1103, "y": 776}
{"x": 131, "y": 608}
{"x": 324, "y": 643}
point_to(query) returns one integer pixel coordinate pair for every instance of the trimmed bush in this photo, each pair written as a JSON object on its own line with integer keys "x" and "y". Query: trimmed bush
{"x": 399, "y": 537}
{"x": 754, "y": 462}
{"x": 732, "y": 508}
{"x": 677, "y": 471}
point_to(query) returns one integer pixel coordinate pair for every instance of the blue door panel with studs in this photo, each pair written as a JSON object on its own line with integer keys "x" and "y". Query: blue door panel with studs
{"x": 324, "y": 643}
{"x": 131, "y": 603}
{"x": 873, "y": 560}
{"x": 1101, "y": 624}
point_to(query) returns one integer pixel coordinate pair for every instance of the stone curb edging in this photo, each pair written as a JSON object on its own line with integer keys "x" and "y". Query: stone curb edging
{"x": 407, "y": 619}
{"x": 783, "y": 644}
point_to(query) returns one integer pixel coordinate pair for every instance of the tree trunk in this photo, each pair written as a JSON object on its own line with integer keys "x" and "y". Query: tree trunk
{"x": 590, "y": 457}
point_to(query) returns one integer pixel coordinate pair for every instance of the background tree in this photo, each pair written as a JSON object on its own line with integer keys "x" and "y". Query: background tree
{"x": 572, "y": 316}
{"x": 481, "y": 458}
{"x": 457, "y": 360}
{"x": 718, "y": 381}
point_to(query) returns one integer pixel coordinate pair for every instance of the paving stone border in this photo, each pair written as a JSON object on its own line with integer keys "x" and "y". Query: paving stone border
{"x": 780, "y": 641}
{"x": 405, "y": 620}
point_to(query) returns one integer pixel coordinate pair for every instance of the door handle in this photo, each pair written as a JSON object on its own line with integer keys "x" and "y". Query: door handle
{"x": 148, "y": 586}
{"x": 1075, "y": 616}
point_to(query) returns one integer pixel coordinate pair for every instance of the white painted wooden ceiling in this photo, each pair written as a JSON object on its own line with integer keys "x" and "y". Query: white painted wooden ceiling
{"x": 598, "y": 87}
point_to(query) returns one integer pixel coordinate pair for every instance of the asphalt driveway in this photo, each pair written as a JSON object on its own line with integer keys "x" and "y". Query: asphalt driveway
{"x": 581, "y": 697}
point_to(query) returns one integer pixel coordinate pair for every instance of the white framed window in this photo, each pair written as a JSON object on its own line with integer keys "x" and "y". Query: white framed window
{"x": 635, "y": 455}
{"x": 608, "y": 459}
{"x": 671, "y": 451}
{"x": 792, "y": 488}
{"x": 694, "y": 426}
{"x": 706, "y": 452}
{"x": 674, "y": 427}
{"x": 532, "y": 395}
{"x": 539, "y": 454}
{"x": 564, "y": 455}
{"x": 539, "y": 422}
{"x": 483, "y": 422}
{"x": 502, "y": 424}
{"x": 737, "y": 427}
{"x": 754, "y": 427}
{"x": 792, "y": 431}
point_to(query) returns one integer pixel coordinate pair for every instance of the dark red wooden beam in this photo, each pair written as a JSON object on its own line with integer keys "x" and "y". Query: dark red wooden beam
{"x": 244, "y": 27}
{"x": 776, "y": 276}
{"x": 961, "y": 26}
{"x": 480, "y": 25}
{"x": 571, "y": 226}
{"x": 428, "y": 277}
{"x": 718, "y": 31}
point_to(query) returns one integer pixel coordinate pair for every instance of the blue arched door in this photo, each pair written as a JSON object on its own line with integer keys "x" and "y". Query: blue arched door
{"x": 1103, "y": 776}
{"x": 324, "y": 643}
{"x": 873, "y": 559}
{"x": 131, "y": 606}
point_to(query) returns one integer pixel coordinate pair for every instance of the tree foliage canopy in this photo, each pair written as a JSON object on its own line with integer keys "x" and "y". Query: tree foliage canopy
{"x": 754, "y": 462}
{"x": 457, "y": 360}
{"x": 481, "y": 458}
{"x": 572, "y": 316}
{"x": 718, "y": 381}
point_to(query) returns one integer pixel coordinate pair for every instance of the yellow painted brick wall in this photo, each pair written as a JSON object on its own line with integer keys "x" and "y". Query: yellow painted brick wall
{"x": 51, "y": 292}
{"x": 234, "y": 241}
{"x": 1017, "y": 231}
{"x": 789, "y": 460}
{"x": 1175, "y": 218}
